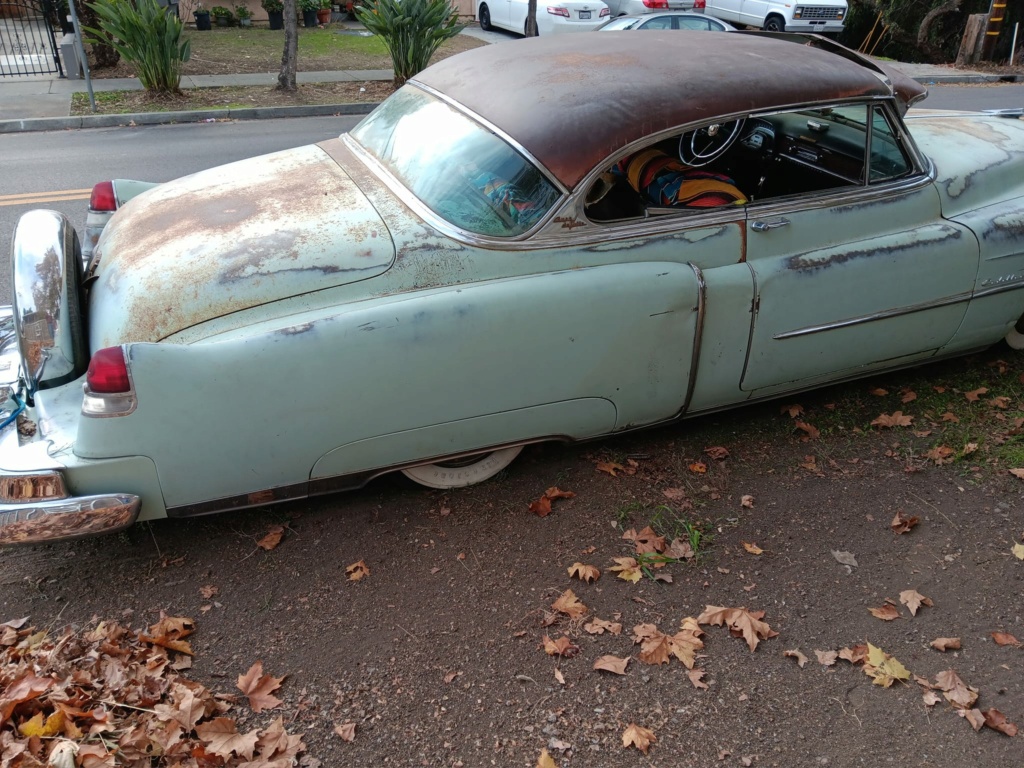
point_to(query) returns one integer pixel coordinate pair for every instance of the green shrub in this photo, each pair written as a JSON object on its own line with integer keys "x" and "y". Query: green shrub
{"x": 219, "y": 11}
{"x": 412, "y": 30}
{"x": 272, "y": 6}
{"x": 148, "y": 37}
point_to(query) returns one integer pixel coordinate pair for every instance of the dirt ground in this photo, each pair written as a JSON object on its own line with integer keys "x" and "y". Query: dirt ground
{"x": 436, "y": 655}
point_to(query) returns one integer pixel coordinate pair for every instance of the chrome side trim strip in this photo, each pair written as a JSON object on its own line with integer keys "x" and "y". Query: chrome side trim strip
{"x": 702, "y": 290}
{"x": 755, "y": 303}
{"x": 1014, "y": 286}
{"x": 944, "y": 302}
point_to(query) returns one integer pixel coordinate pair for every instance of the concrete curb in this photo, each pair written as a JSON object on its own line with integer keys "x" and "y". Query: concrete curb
{"x": 193, "y": 116}
{"x": 315, "y": 110}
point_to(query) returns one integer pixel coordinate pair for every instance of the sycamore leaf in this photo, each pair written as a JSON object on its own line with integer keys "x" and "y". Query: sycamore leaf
{"x": 222, "y": 738}
{"x": 897, "y": 419}
{"x": 812, "y": 432}
{"x": 909, "y": 396}
{"x": 752, "y": 548}
{"x": 793, "y": 410}
{"x": 882, "y": 668}
{"x": 35, "y": 726}
{"x": 570, "y": 605}
{"x": 950, "y": 417}
{"x": 272, "y": 538}
{"x": 561, "y": 647}
{"x": 1000, "y": 402}
{"x": 627, "y": 568}
{"x": 646, "y": 542}
{"x": 542, "y": 507}
{"x": 559, "y": 676}
{"x": 357, "y": 571}
{"x": 347, "y": 731}
{"x": 974, "y": 394}
{"x": 685, "y": 643}
{"x": 208, "y": 591}
{"x": 697, "y": 678}
{"x": 746, "y": 500}
{"x": 946, "y": 644}
{"x": 972, "y": 716}
{"x": 600, "y": 626}
{"x": 680, "y": 549}
{"x": 940, "y": 454}
{"x": 587, "y": 573}
{"x": 25, "y": 688}
{"x": 878, "y": 392}
{"x": 674, "y": 494}
{"x": 826, "y": 658}
{"x": 914, "y": 600}
{"x": 699, "y": 467}
{"x": 258, "y": 688}
{"x": 169, "y": 633}
{"x": 610, "y": 467}
{"x": 740, "y": 621}
{"x": 1018, "y": 551}
{"x": 612, "y": 664}
{"x": 275, "y": 742}
{"x": 887, "y": 612}
{"x": 639, "y": 737}
{"x": 545, "y": 760}
{"x": 956, "y": 691}
{"x": 654, "y": 644}
{"x": 902, "y": 523}
{"x": 1018, "y": 472}
{"x": 1005, "y": 638}
{"x": 930, "y": 698}
{"x": 997, "y": 721}
{"x": 855, "y": 655}
{"x": 717, "y": 452}
{"x": 801, "y": 660}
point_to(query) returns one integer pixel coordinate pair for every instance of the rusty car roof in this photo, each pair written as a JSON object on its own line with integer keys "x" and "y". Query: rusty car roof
{"x": 571, "y": 100}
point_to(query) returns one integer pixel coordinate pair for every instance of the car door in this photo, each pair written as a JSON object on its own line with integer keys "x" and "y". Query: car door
{"x": 517, "y": 12}
{"x": 753, "y": 12}
{"x": 854, "y": 268}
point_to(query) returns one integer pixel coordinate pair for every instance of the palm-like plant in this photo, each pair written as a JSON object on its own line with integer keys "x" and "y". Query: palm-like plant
{"x": 412, "y": 30}
{"x": 147, "y": 36}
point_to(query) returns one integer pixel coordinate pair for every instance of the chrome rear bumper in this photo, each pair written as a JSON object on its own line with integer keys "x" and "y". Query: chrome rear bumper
{"x": 34, "y": 522}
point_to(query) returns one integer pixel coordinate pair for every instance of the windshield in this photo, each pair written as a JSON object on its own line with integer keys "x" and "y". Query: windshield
{"x": 456, "y": 167}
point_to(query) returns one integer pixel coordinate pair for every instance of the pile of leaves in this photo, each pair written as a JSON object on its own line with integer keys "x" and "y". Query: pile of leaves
{"x": 107, "y": 696}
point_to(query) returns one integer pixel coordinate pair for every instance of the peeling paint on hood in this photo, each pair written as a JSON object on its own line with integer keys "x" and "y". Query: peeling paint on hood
{"x": 231, "y": 238}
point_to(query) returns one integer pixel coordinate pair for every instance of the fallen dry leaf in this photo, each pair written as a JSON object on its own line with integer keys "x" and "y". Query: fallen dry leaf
{"x": 717, "y": 452}
{"x": 1005, "y": 638}
{"x": 357, "y": 571}
{"x": 559, "y": 676}
{"x": 930, "y": 698}
{"x": 272, "y": 538}
{"x": 882, "y": 668}
{"x": 627, "y": 569}
{"x": 570, "y": 605}
{"x": 946, "y": 644}
{"x": 826, "y": 658}
{"x": 697, "y": 678}
{"x": 208, "y": 591}
{"x": 1018, "y": 472}
{"x": 808, "y": 429}
{"x": 997, "y": 721}
{"x": 542, "y": 506}
{"x": 1018, "y": 551}
{"x": 169, "y": 633}
{"x": 600, "y": 626}
{"x": 902, "y": 523}
{"x": 561, "y": 647}
{"x": 897, "y": 419}
{"x": 1001, "y": 403}
{"x": 747, "y": 501}
{"x": 887, "y": 612}
{"x": 940, "y": 454}
{"x": 752, "y": 548}
{"x": 646, "y": 542}
{"x": 740, "y": 622}
{"x": 974, "y": 394}
{"x": 610, "y": 467}
{"x": 846, "y": 558}
{"x": 347, "y": 731}
{"x": 699, "y": 467}
{"x": 914, "y": 600}
{"x": 613, "y": 664}
{"x": 795, "y": 653}
{"x": 587, "y": 573}
{"x": 950, "y": 417}
{"x": 878, "y": 392}
{"x": 909, "y": 396}
{"x": 956, "y": 691}
{"x": 855, "y": 655}
{"x": 674, "y": 494}
{"x": 545, "y": 760}
{"x": 639, "y": 737}
{"x": 258, "y": 688}
{"x": 679, "y": 549}
{"x": 793, "y": 410}
{"x": 223, "y": 738}
{"x": 972, "y": 716}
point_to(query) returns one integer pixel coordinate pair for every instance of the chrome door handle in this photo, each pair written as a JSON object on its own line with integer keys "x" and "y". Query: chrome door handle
{"x": 764, "y": 226}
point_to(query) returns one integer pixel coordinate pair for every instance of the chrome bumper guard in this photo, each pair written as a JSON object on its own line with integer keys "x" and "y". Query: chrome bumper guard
{"x": 35, "y": 507}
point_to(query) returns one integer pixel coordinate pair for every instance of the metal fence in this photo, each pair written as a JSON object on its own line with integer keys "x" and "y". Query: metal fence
{"x": 28, "y": 44}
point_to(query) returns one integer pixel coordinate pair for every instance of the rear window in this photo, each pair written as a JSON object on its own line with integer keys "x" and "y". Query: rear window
{"x": 460, "y": 170}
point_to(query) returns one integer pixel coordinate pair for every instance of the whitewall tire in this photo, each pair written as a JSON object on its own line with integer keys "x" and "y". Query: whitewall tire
{"x": 462, "y": 472}
{"x": 1015, "y": 339}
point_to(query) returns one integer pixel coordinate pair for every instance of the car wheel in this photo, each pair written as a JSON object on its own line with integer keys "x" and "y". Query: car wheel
{"x": 484, "y": 17}
{"x": 459, "y": 473}
{"x": 1015, "y": 339}
{"x": 774, "y": 24}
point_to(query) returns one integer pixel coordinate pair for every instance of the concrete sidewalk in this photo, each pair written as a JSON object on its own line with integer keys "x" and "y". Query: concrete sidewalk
{"x": 43, "y": 103}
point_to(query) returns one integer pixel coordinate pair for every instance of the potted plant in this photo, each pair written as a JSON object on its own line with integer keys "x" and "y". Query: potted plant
{"x": 323, "y": 15}
{"x": 275, "y": 12}
{"x": 309, "y": 9}
{"x": 202, "y": 17}
{"x": 244, "y": 16}
{"x": 222, "y": 15}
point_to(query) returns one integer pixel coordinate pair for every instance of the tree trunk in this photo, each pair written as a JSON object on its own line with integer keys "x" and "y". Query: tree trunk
{"x": 531, "y": 19}
{"x": 923, "y": 43}
{"x": 102, "y": 56}
{"x": 290, "y": 57}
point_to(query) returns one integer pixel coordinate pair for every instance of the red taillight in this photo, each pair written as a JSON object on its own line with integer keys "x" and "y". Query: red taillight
{"x": 102, "y": 198}
{"x": 556, "y": 11}
{"x": 108, "y": 371}
{"x": 656, "y": 3}
{"x": 700, "y": 5}
{"x": 604, "y": 12}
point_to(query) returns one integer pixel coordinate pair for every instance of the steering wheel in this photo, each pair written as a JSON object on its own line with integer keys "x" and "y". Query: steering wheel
{"x": 700, "y": 147}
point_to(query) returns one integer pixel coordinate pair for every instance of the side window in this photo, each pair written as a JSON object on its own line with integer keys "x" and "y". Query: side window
{"x": 701, "y": 25}
{"x": 664, "y": 22}
{"x": 888, "y": 160}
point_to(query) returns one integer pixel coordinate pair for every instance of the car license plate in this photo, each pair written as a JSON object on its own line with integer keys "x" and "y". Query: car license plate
{"x": 584, "y": 14}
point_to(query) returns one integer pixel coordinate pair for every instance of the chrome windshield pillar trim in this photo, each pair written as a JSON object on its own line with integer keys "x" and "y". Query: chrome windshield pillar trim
{"x": 702, "y": 290}
{"x": 922, "y": 307}
{"x": 28, "y": 522}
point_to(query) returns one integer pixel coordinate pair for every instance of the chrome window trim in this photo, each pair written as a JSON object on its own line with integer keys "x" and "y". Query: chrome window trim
{"x": 702, "y": 290}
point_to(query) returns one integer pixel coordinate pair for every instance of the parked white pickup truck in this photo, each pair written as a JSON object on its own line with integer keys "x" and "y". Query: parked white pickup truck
{"x": 820, "y": 16}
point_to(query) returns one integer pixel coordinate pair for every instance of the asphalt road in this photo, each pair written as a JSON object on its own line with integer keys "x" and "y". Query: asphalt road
{"x": 58, "y": 169}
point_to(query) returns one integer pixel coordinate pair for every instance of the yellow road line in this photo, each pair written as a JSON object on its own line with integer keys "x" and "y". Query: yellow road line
{"x": 34, "y": 198}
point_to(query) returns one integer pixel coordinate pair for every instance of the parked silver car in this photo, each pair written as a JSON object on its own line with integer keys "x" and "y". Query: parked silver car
{"x": 640, "y": 7}
{"x": 668, "y": 20}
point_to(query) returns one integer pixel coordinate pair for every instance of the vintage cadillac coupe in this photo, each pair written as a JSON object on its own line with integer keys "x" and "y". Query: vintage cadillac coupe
{"x": 607, "y": 241}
